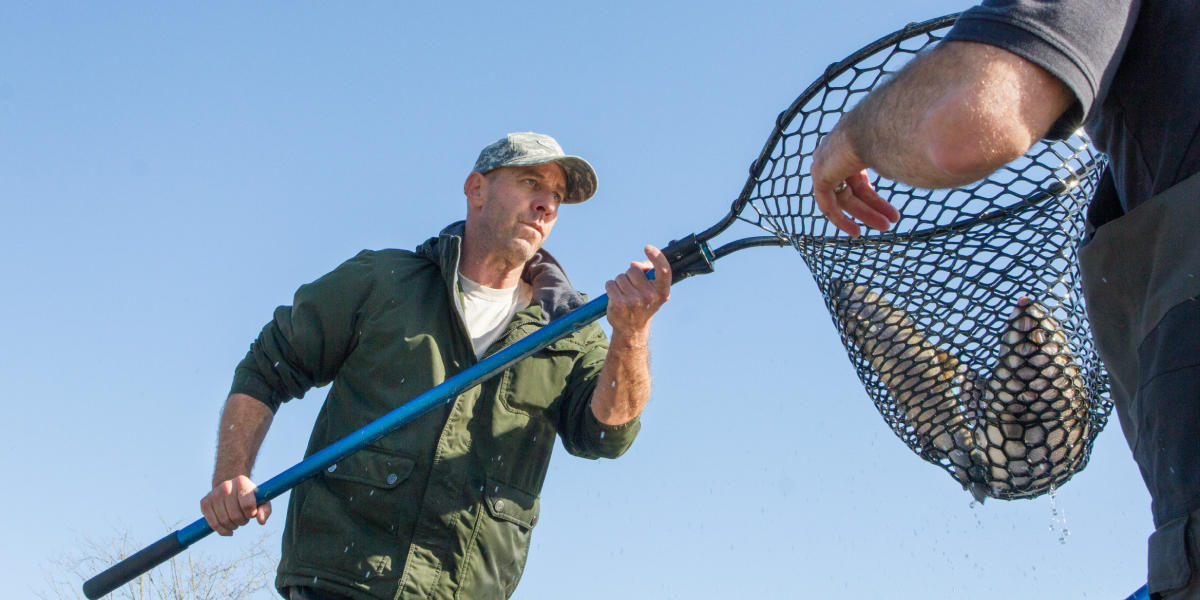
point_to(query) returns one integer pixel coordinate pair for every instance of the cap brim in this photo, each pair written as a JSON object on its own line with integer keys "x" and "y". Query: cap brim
{"x": 581, "y": 177}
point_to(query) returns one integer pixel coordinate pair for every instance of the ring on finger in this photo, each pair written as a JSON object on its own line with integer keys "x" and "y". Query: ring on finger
{"x": 839, "y": 187}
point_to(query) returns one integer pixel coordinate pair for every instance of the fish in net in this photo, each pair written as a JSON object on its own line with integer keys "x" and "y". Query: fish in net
{"x": 1010, "y": 432}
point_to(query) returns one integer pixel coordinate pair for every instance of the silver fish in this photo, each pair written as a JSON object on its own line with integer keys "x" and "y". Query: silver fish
{"x": 937, "y": 395}
{"x": 1035, "y": 405}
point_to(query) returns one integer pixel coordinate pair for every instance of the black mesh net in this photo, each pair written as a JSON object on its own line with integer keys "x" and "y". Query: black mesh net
{"x": 965, "y": 321}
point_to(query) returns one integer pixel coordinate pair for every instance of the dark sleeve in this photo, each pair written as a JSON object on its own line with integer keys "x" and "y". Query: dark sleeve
{"x": 305, "y": 344}
{"x": 1078, "y": 41}
{"x": 581, "y": 432}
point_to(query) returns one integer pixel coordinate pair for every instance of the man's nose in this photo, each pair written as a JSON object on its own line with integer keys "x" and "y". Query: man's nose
{"x": 545, "y": 203}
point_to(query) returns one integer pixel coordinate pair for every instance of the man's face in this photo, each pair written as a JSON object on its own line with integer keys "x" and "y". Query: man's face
{"x": 515, "y": 208}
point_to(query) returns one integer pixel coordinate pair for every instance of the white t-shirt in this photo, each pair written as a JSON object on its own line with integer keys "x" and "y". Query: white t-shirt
{"x": 486, "y": 311}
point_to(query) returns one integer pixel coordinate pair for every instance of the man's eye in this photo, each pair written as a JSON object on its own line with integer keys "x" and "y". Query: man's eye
{"x": 557, "y": 197}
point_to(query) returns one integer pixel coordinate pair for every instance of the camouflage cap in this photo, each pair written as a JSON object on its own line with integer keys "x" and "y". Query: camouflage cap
{"x": 527, "y": 149}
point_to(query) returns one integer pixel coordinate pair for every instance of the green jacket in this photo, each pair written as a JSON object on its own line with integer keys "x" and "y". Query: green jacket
{"x": 444, "y": 507}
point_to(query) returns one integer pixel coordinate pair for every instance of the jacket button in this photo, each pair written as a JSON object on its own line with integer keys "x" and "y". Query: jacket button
{"x": 392, "y": 478}
{"x": 499, "y": 506}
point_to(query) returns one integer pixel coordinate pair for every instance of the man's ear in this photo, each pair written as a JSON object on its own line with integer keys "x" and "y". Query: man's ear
{"x": 474, "y": 188}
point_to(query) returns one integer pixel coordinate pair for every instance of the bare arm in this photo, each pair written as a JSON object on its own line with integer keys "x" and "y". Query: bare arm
{"x": 950, "y": 117}
{"x": 231, "y": 503}
{"x": 624, "y": 386}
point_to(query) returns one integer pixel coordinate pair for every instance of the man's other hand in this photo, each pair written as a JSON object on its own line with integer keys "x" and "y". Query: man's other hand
{"x": 231, "y": 504}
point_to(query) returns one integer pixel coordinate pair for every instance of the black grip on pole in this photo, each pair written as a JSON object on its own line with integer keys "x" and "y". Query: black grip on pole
{"x": 688, "y": 256}
{"x": 125, "y": 571}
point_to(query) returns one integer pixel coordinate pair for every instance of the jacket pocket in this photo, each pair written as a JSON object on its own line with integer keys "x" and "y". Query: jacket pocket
{"x": 534, "y": 386}
{"x": 348, "y": 517}
{"x": 501, "y": 541}
{"x": 362, "y": 485}
{"x": 507, "y": 503}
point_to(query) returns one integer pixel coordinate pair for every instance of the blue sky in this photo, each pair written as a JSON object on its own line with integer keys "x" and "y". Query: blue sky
{"x": 169, "y": 173}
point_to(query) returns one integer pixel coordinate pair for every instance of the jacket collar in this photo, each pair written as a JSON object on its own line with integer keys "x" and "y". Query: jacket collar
{"x": 552, "y": 291}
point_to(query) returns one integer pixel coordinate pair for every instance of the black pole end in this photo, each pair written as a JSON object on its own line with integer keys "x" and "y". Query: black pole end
{"x": 127, "y": 570}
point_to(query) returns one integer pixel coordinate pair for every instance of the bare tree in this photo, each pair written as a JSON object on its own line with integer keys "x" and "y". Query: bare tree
{"x": 185, "y": 577}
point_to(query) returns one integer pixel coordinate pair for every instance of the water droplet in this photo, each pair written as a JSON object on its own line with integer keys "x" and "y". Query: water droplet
{"x": 276, "y": 364}
{"x": 601, "y": 435}
{"x": 332, "y": 468}
{"x": 614, "y": 384}
{"x": 497, "y": 490}
{"x": 535, "y": 438}
{"x": 372, "y": 493}
{"x": 347, "y": 549}
{"x": 1058, "y": 519}
{"x": 471, "y": 509}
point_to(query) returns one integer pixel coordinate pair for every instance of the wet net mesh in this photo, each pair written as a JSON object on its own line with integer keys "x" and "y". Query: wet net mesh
{"x": 965, "y": 321}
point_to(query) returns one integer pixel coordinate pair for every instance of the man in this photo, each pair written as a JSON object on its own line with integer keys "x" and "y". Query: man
{"x": 1012, "y": 72}
{"x": 445, "y": 506}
